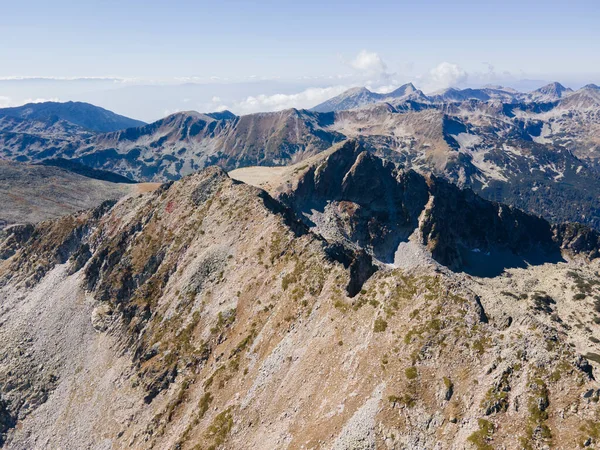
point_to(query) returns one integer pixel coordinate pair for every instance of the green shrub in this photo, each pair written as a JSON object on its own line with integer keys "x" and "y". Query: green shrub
{"x": 220, "y": 428}
{"x": 380, "y": 325}
{"x": 482, "y": 436}
{"x": 411, "y": 372}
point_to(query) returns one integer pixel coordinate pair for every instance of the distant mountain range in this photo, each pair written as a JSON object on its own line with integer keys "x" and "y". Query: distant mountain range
{"x": 538, "y": 151}
{"x": 84, "y": 115}
{"x": 359, "y": 97}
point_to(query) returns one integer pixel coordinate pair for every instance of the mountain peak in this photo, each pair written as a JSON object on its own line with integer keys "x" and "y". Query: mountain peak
{"x": 403, "y": 90}
{"x": 549, "y": 93}
{"x": 592, "y": 86}
{"x": 352, "y": 98}
{"x": 554, "y": 88}
{"x": 357, "y": 90}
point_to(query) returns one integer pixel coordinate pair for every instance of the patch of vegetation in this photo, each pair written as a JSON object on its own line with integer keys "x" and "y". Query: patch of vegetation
{"x": 538, "y": 403}
{"x": 341, "y": 305}
{"x": 223, "y": 321}
{"x": 584, "y": 286}
{"x": 405, "y": 400}
{"x": 482, "y": 437}
{"x": 246, "y": 342}
{"x": 219, "y": 429}
{"x": 411, "y": 372}
{"x": 591, "y": 433}
{"x": 496, "y": 398}
{"x": 380, "y": 325}
{"x": 561, "y": 368}
{"x": 481, "y": 344}
{"x": 543, "y": 303}
{"x": 204, "y": 404}
{"x": 592, "y": 357}
{"x": 448, "y": 383}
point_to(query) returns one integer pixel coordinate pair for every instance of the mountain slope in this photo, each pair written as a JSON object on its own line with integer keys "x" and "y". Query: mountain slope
{"x": 499, "y": 151}
{"x": 85, "y": 115}
{"x": 354, "y": 198}
{"x": 30, "y": 193}
{"x": 205, "y": 313}
{"x": 184, "y": 142}
{"x": 549, "y": 93}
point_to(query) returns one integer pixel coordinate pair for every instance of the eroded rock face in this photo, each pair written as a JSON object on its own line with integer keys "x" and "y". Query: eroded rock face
{"x": 359, "y": 200}
{"x": 578, "y": 238}
{"x": 208, "y": 313}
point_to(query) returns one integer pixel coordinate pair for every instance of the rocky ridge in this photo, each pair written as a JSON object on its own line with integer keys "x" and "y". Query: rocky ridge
{"x": 208, "y": 314}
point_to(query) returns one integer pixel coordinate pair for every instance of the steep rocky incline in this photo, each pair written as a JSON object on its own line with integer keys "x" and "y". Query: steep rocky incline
{"x": 207, "y": 314}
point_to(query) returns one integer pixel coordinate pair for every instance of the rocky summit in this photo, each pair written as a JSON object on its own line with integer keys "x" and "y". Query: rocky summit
{"x": 344, "y": 302}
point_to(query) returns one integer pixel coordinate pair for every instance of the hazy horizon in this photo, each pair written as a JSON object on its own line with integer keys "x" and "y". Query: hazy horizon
{"x": 145, "y": 59}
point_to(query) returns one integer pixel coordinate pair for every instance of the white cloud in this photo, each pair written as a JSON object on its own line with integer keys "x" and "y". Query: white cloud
{"x": 221, "y": 108}
{"x": 40, "y": 100}
{"x": 8, "y": 102}
{"x": 446, "y": 75}
{"x": 305, "y": 99}
{"x": 168, "y": 112}
{"x": 369, "y": 62}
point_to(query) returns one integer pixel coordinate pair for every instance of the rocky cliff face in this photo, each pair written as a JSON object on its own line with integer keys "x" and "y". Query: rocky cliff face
{"x": 356, "y": 198}
{"x": 208, "y": 314}
{"x": 185, "y": 142}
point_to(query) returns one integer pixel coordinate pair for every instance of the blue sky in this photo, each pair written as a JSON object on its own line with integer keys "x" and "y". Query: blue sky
{"x": 304, "y": 44}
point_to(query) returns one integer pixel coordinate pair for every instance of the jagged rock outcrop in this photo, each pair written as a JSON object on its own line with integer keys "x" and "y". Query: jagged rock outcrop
{"x": 356, "y": 198}
{"x": 578, "y": 239}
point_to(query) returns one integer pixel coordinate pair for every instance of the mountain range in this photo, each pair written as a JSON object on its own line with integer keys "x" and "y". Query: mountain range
{"x": 361, "y": 96}
{"x": 358, "y": 97}
{"x": 537, "y": 151}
